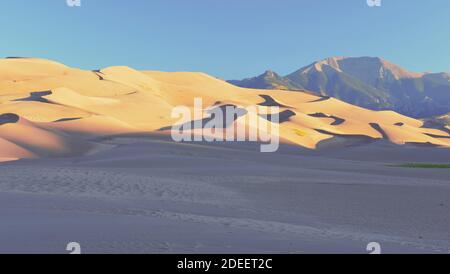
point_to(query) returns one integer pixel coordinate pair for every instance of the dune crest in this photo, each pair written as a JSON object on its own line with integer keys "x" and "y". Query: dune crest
{"x": 51, "y": 110}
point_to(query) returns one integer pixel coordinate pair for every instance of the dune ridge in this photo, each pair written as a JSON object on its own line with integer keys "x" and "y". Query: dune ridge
{"x": 48, "y": 109}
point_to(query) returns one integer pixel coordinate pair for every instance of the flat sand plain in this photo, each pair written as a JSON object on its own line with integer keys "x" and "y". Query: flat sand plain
{"x": 157, "y": 196}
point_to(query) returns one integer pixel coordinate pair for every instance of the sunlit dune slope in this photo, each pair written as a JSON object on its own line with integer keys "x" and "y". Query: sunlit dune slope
{"x": 21, "y": 138}
{"x": 50, "y": 110}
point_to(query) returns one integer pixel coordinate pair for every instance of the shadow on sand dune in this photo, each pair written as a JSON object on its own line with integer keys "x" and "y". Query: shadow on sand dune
{"x": 284, "y": 116}
{"x": 270, "y": 102}
{"x": 436, "y": 125}
{"x": 339, "y": 141}
{"x": 9, "y": 118}
{"x": 36, "y": 97}
{"x": 337, "y": 121}
{"x": 324, "y": 98}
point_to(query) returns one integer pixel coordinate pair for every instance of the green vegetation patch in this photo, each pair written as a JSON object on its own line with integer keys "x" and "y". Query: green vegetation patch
{"x": 422, "y": 165}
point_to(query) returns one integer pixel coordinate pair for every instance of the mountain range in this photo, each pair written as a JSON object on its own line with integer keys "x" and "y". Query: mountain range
{"x": 369, "y": 82}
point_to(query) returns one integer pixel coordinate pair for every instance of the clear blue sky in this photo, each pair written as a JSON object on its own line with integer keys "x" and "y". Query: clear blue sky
{"x": 226, "y": 38}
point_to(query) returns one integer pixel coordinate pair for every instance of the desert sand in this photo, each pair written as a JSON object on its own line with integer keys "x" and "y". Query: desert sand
{"x": 157, "y": 196}
{"x": 86, "y": 157}
{"x": 64, "y": 109}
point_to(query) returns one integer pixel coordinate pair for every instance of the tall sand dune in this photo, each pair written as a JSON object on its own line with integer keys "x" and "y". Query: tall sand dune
{"x": 50, "y": 110}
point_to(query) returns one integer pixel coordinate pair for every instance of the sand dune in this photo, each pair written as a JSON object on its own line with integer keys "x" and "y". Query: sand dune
{"x": 25, "y": 139}
{"x": 51, "y": 110}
